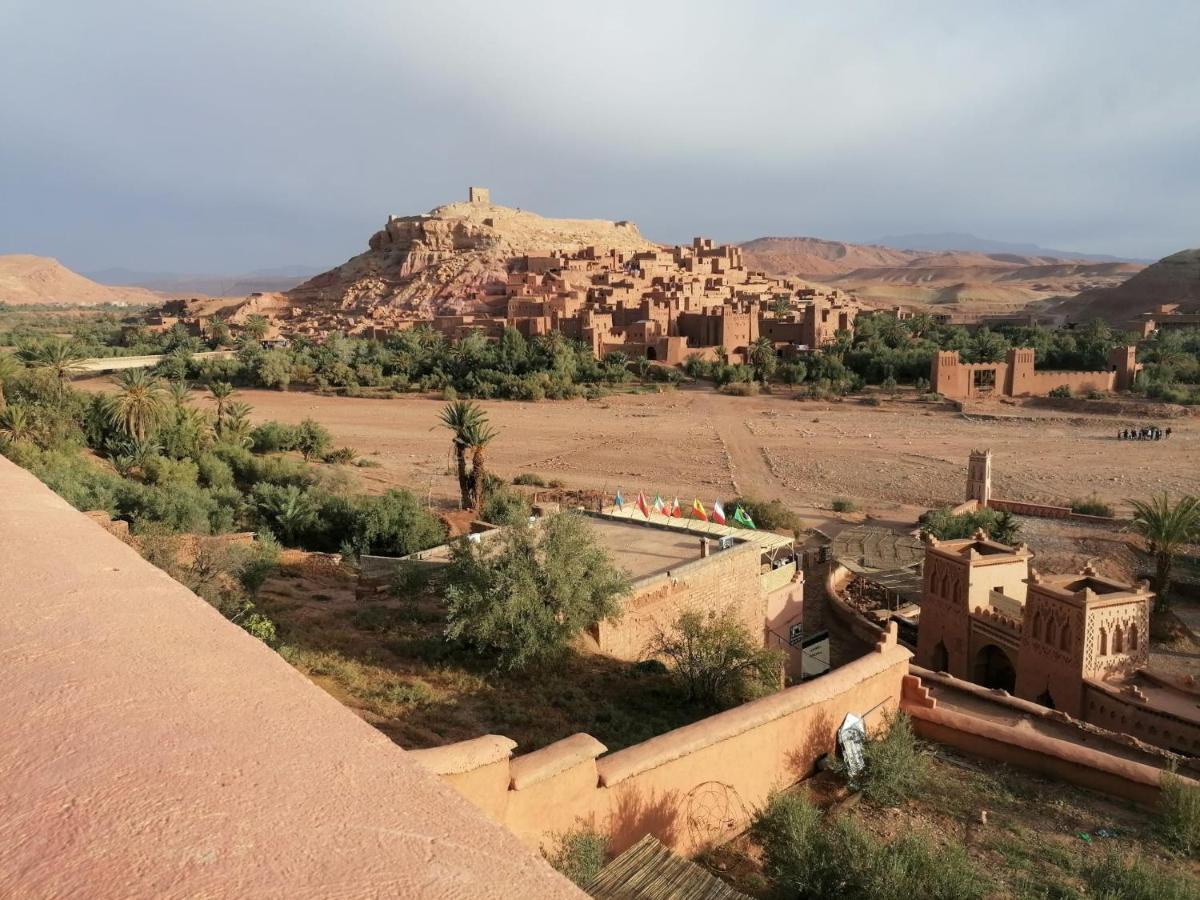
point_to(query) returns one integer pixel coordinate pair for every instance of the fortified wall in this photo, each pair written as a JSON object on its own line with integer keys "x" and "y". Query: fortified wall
{"x": 693, "y": 787}
{"x": 1018, "y": 376}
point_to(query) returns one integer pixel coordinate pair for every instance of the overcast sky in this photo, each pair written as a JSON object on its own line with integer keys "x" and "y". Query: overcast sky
{"x": 222, "y": 136}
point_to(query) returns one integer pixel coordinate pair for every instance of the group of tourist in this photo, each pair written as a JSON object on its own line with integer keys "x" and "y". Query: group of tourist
{"x": 1146, "y": 433}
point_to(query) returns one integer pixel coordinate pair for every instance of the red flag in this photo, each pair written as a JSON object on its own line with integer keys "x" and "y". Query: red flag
{"x": 676, "y": 512}
{"x": 698, "y": 510}
{"x": 718, "y": 512}
{"x": 641, "y": 504}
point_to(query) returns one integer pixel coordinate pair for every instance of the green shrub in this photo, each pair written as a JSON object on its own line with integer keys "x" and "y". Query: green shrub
{"x": 811, "y": 859}
{"x": 1062, "y": 392}
{"x": 260, "y": 626}
{"x": 1091, "y": 506}
{"x": 1177, "y": 821}
{"x": 944, "y": 525}
{"x": 896, "y": 768}
{"x": 740, "y": 388}
{"x": 844, "y": 505}
{"x": 769, "y": 515}
{"x": 530, "y": 478}
{"x": 273, "y": 437}
{"x": 504, "y": 507}
{"x": 341, "y": 456}
{"x": 524, "y": 596}
{"x": 312, "y": 438}
{"x": 716, "y": 659}
{"x": 1112, "y": 878}
{"x": 579, "y": 855}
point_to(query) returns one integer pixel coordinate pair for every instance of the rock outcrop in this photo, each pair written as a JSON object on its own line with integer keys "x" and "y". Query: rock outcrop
{"x": 451, "y": 258}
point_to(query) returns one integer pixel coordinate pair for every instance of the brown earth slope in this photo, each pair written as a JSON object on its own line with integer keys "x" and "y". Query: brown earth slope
{"x": 978, "y": 282}
{"x": 1173, "y": 279}
{"x": 27, "y": 280}
{"x": 446, "y": 259}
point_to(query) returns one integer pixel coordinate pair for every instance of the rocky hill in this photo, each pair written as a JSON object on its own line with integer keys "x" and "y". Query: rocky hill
{"x": 444, "y": 260}
{"x": 1173, "y": 279}
{"x": 969, "y": 280}
{"x": 28, "y": 280}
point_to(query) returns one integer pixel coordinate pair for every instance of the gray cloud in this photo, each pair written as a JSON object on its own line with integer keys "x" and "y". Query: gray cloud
{"x": 233, "y": 135}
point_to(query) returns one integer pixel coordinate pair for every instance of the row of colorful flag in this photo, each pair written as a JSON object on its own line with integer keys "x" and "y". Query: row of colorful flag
{"x": 675, "y": 511}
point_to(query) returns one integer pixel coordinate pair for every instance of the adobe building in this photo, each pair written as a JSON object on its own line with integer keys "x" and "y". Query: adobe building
{"x": 669, "y": 303}
{"x": 1017, "y": 376}
{"x": 1075, "y": 643}
{"x": 1168, "y": 316}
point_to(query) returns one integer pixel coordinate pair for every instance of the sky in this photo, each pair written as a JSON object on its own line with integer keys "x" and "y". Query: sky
{"x": 223, "y": 136}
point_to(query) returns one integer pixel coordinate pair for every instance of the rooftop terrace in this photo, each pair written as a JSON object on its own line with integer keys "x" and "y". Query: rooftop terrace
{"x": 644, "y": 550}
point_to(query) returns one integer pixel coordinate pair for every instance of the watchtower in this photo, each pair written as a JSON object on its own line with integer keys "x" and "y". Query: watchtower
{"x": 979, "y": 476}
{"x": 946, "y": 374}
{"x": 480, "y": 195}
{"x": 1123, "y": 361}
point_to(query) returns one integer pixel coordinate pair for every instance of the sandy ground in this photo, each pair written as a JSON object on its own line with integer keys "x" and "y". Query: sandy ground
{"x": 893, "y": 459}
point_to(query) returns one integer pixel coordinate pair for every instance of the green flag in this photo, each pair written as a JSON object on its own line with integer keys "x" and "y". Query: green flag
{"x": 743, "y": 518}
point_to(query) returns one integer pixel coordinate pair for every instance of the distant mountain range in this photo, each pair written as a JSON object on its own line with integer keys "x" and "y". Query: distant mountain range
{"x": 957, "y": 281}
{"x": 279, "y": 278}
{"x": 952, "y": 240}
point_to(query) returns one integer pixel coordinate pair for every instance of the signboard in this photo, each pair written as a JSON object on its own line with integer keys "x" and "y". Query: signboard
{"x": 851, "y": 737}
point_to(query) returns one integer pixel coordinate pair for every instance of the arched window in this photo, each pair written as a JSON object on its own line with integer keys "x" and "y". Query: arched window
{"x": 1132, "y": 637}
{"x": 1064, "y": 640}
{"x": 1103, "y": 641}
{"x": 1118, "y": 643}
{"x": 1051, "y": 632}
{"x": 1037, "y": 625}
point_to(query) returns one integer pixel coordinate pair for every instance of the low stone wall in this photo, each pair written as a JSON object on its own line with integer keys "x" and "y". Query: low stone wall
{"x": 1045, "y": 511}
{"x": 1108, "y": 706}
{"x": 1021, "y": 745}
{"x": 693, "y": 787}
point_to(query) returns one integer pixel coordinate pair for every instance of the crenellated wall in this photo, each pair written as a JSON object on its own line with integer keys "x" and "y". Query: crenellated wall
{"x": 692, "y": 787}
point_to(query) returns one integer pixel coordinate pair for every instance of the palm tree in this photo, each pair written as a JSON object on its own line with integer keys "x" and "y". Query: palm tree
{"x": 289, "y": 508}
{"x": 1166, "y": 528}
{"x": 139, "y": 405}
{"x": 256, "y": 326}
{"x": 479, "y": 433}
{"x": 17, "y": 424}
{"x": 180, "y": 392}
{"x": 763, "y": 358}
{"x": 221, "y": 391}
{"x": 234, "y": 426}
{"x": 218, "y": 330}
{"x": 57, "y": 356}
{"x": 460, "y": 416}
{"x": 9, "y": 366}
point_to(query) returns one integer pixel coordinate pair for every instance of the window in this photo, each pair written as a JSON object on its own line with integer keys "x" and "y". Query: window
{"x": 1132, "y": 636}
{"x": 1064, "y": 641}
{"x": 1117, "y": 642}
{"x": 1037, "y": 625}
{"x": 1103, "y": 641}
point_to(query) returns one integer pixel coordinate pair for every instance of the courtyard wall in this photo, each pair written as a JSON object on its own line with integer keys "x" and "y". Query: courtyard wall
{"x": 692, "y": 787}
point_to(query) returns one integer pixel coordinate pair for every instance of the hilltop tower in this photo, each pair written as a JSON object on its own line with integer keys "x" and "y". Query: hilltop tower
{"x": 480, "y": 195}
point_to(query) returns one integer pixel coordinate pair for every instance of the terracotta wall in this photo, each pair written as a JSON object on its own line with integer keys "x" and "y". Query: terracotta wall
{"x": 727, "y": 578}
{"x": 1107, "y": 707}
{"x": 691, "y": 787}
{"x": 1025, "y": 747}
{"x": 1045, "y": 511}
